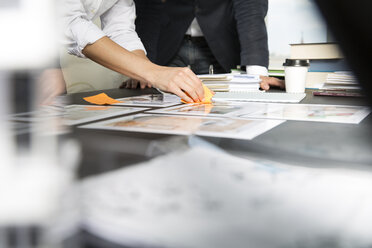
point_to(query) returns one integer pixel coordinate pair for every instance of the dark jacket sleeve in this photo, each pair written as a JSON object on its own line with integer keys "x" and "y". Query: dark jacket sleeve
{"x": 250, "y": 19}
{"x": 148, "y": 25}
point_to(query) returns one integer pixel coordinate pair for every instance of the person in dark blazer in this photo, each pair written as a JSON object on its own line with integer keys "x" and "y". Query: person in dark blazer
{"x": 201, "y": 33}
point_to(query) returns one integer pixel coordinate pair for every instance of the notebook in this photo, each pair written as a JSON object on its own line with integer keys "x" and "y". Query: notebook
{"x": 259, "y": 96}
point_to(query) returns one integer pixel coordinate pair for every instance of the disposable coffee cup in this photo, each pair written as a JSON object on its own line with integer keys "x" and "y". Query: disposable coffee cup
{"x": 295, "y": 75}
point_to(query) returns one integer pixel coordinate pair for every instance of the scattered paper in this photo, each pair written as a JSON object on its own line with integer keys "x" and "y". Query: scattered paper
{"x": 259, "y": 96}
{"x": 101, "y": 99}
{"x": 73, "y": 114}
{"x": 212, "y": 109}
{"x": 77, "y": 114}
{"x": 150, "y": 100}
{"x": 188, "y": 125}
{"x": 306, "y": 112}
{"x": 43, "y": 113}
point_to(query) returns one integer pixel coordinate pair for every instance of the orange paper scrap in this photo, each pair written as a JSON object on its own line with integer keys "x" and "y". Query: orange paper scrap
{"x": 101, "y": 99}
{"x": 208, "y": 94}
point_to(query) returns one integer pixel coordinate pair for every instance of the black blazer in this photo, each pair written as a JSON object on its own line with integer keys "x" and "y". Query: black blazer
{"x": 234, "y": 29}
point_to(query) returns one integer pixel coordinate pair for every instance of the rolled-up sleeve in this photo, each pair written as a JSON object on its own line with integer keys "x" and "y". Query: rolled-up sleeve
{"x": 118, "y": 24}
{"x": 79, "y": 31}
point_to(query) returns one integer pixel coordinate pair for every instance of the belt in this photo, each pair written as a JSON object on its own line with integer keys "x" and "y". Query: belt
{"x": 194, "y": 38}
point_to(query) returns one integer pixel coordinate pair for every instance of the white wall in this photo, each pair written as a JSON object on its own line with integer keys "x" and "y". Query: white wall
{"x": 85, "y": 75}
{"x": 292, "y": 21}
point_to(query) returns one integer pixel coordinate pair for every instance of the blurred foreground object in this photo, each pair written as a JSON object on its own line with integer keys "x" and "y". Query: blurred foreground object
{"x": 28, "y": 34}
{"x": 203, "y": 197}
{"x": 34, "y": 180}
{"x": 50, "y": 85}
{"x": 350, "y": 22}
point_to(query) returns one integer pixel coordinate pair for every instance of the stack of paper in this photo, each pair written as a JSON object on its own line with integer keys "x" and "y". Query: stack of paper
{"x": 341, "y": 80}
{"x": 231, "y": 82}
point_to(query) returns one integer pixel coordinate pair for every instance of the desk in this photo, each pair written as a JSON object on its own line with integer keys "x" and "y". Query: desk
{"x": 307, "y": 143}
{"x": 312, "y": 144}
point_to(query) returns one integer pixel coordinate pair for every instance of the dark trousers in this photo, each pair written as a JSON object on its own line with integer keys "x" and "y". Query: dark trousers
{"x": 195, "y": 53}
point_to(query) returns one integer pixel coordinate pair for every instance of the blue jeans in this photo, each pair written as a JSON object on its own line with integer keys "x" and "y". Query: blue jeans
{"x": 195, "y": 53}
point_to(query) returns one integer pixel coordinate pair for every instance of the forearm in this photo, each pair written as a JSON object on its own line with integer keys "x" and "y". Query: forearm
{"x": 132, "y": 64}
{"x": 140, "y": 53}
{"x": 180, "y": 81}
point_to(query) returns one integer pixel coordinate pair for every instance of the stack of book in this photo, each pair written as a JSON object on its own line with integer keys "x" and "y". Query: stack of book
{"x": 316, "y": 51}
{"x": 325, "y": 59}
{"x": 276, "y": 72}
{"x": 231, "y": 82}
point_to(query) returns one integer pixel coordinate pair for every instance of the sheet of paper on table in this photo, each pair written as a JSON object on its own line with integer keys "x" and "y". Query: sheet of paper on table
{"x": 150, "y": 100}
{"x": 207, "y": 198}
{"x": 188, "y": 125}
{"x": 259, "y": 96}
{"x": 279, "y": 111}
{"x": 224, "y": 109}
{"x": 41, "y": 114}
{"x": 74, "y": 114}
{"x": 77, "y": 114}
{"x": 306, "y": 112}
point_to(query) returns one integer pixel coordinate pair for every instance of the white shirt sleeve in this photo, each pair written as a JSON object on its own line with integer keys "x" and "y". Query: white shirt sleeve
{"x": 79, "y": 31}
{"x": 257, "y": 70}
{"x": 118, "y": 24}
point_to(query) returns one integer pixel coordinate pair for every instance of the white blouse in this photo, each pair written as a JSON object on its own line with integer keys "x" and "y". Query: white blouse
{"x": 117, "y": 22}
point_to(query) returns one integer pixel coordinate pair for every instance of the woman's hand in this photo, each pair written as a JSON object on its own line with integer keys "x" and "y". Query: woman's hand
{"x": 180, "y": 81}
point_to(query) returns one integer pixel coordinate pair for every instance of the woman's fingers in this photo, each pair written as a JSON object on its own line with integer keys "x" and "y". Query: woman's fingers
{"x": 184, "y": 84}
{"x": 176, "y": 90}
{"x": 187, "y": 81}
{"x": 195, "y": 83}
{"x": 180, "y": 81}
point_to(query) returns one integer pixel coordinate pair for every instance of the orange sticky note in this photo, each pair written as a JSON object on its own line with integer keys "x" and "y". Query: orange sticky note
{"x": 101, "y": 99}
{"x": 207, "y": 96}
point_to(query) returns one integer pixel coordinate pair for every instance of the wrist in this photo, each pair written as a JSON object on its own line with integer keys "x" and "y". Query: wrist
{"x": 151, "y": 73}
